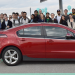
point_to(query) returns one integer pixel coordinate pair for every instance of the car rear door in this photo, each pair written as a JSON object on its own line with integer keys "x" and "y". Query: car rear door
{"x": 57, "y": 46}
{"x": 32, "y": 41}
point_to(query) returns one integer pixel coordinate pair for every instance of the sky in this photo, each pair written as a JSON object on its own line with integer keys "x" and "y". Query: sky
{"x": 9, "y": 6}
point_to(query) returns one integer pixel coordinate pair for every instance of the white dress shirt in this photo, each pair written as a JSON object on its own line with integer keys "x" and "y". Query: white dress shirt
{"x": 58, "y": 18}
{"x": 24, "y": 21}
{"x": 6, "y": 23}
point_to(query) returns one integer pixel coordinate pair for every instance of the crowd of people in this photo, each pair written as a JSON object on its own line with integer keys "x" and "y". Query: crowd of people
{"x": 17, "y": 19}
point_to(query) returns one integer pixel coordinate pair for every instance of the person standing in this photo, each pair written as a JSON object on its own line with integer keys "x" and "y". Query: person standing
{"x": 4, "y": 15}
{"x": 73, "y": 13}
{"x": 16, "y": 20}
{"x": 58, "y": 17}
{"x": 10, "y": 17}
{"x": 17, "y": 15}
{"x": 13, "y": 18}
{"x": 6, "y": 24}
{"x": 71, "y": 22}
{"x": 65, "y": 14}
{"x": 53, "y": 19}
{"x": 2, "y": 18}
{"x": 42, "y": 19}
{"x": 32, "y": 19}
{"x": 21, "y": 14}
{"x": 48, "y": 19}
{"x": 63, "y": 21}
{"x": 36, "y": 17}
{"x": 24, "y": 19}
{"x": 40, "y": 12}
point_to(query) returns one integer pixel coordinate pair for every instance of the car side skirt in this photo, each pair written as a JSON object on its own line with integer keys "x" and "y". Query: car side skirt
{"x": 25, "y": 58}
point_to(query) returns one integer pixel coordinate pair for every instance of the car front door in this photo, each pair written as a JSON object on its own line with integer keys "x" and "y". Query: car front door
{"x": 32, "y": 41}
{"x": 57, "y": 46}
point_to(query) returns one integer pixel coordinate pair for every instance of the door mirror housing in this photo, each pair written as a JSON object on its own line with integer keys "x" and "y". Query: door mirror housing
{"x": 69, "y": 36}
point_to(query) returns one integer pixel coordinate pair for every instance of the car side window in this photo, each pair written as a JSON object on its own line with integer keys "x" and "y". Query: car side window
{"x": 20, "y": 32}
{"x": 55, "y": 32}
{"x": 30, "y": 32}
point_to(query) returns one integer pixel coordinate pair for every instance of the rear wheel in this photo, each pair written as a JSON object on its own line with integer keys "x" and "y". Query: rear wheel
{"x": 11, "y": 56}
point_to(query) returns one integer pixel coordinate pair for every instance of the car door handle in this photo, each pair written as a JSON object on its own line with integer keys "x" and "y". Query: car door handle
{"x": 23, "y": 39}
{"x": 50, "y": 41}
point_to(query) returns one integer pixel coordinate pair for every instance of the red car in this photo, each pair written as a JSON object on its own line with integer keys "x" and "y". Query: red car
{"x": 37, "y": 42}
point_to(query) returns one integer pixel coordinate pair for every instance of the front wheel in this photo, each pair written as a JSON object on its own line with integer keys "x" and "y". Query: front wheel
{"x": 11, "y": 56}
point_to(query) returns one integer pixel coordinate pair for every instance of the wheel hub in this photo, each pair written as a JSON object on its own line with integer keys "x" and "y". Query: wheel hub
{"x": 11, "y": 56}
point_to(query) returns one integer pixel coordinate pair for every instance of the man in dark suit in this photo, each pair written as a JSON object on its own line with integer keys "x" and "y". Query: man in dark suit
{"x": 6, "y": 24}
{"x": 36, "y": 17}
{"x": 65, "y": 14}
{"x": 53, "y": 19}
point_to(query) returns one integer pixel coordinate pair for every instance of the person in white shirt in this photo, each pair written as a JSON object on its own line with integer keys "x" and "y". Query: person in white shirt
{"x": 13, "y": 18}
{"x": 16, "y": 21}
{"x": 58, "y": 17}
{"x": 24, "y": 19}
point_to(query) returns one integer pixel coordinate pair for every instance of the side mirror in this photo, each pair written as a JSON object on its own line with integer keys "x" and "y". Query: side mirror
{"x": 69, "y": 36}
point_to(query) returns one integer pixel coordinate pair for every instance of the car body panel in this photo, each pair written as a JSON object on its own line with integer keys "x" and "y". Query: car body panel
{"x": 60, "y": 48}
{"x": 39, "y": 47}
{"x": 32, "y": 47}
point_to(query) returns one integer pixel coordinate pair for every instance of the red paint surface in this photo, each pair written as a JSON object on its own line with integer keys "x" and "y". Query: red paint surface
{"x": 39, "y": 47}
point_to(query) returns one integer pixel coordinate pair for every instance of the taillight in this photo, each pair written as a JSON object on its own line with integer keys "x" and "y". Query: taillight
{"x": 3, "y": 36}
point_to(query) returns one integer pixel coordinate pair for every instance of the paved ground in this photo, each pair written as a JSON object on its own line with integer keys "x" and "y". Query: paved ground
{"x": 39, "y": 67}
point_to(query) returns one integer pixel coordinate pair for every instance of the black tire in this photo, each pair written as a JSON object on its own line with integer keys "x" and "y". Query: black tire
{"x": 18, "y": 52}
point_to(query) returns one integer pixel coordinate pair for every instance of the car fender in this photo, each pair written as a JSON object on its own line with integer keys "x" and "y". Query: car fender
{"x": 6, "y": 43}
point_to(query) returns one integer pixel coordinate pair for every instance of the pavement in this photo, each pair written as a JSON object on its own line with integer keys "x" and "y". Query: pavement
{"x": 39, "y": 67}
